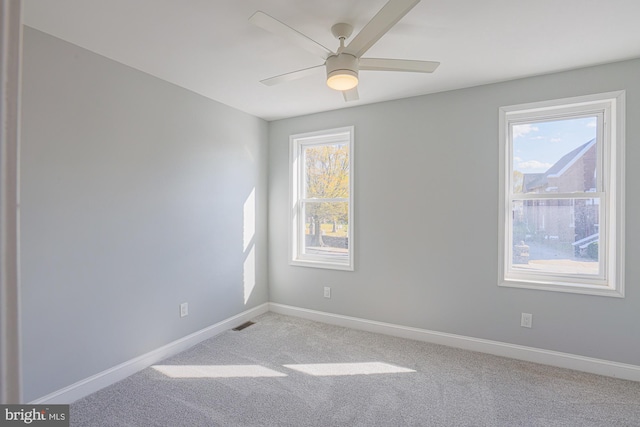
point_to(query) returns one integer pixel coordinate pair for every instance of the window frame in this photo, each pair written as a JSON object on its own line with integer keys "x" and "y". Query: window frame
{"x": 610, "y": 109}
{"x": 297, "y": 143}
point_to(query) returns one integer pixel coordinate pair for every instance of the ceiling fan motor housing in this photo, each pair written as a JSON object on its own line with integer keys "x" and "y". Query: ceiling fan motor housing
{"x": 342, "y": 65}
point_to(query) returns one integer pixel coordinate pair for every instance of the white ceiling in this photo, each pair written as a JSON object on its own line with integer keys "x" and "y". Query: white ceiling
{"x": 209, "y": 47}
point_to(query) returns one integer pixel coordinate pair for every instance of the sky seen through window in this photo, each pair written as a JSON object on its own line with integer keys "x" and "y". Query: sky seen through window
{"x": 537, "y": 146}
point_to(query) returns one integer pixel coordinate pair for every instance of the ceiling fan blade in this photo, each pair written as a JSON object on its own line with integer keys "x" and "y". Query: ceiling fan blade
{"x": 386, "y": 18}
{"x": 380, "y": 64}
{"x": 295, "y": 75}
{"x": 271, "y": 24}
{"x": 351, "y": 94}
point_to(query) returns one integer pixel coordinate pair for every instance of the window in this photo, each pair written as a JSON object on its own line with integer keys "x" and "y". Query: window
{"x": 561, "y": 199}
{"x": 322, "y": 199}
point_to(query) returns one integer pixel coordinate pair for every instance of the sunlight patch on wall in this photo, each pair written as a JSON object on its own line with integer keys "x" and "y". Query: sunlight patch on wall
{"x": 249, "y": 215}
{"x": 338, "y": 369}
{"x": 248, "y": 245}
{"x": 249, "y": 273}
{"x": 217, "y": 371}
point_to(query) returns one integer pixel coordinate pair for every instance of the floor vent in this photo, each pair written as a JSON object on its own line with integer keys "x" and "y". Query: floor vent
{"x": 244, "y": 325}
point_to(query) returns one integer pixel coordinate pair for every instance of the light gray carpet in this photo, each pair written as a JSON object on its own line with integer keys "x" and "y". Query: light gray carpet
{"x": 449, "y": 387}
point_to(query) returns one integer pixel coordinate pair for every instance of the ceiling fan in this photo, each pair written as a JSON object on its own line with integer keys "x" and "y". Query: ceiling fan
{"x": 343, "y": 65}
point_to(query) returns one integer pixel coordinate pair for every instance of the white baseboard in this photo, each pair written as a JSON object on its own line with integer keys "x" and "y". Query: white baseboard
{"x": 110, "y": 376}
{"x": 529, "y": 354}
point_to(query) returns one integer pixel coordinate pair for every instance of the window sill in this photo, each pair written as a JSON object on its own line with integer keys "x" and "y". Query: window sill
{"x": 321, "y": 264}
{"x": 605, "y": 291}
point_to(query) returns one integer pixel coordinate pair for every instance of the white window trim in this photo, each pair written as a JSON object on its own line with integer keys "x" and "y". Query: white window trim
{"x": 296, "y": 175}
{"x": 613, "y": 164}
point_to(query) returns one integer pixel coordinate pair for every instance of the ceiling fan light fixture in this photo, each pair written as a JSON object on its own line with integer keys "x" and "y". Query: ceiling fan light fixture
{"x": 342, "y": 72}
{"x": 342, "y": 80}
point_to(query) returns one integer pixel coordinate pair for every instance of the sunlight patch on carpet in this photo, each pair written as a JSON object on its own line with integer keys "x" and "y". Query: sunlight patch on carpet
{"x": 217, "y": 371}
{"x": 337, "y": 369}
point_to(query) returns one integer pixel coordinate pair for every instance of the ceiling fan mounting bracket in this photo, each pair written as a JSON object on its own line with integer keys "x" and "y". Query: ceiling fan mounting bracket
{"x": 342, "y": 31}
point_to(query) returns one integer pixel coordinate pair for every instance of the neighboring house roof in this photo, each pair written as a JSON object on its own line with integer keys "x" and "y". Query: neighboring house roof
{"x": 537, "y": 180}
{"x": 533, "y": 180}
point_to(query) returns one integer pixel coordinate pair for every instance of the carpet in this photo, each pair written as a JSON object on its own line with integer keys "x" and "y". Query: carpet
{"x": 287, "y": 371}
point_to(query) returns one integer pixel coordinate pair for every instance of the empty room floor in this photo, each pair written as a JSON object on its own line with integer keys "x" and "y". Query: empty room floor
{"x": 287, "y": 371}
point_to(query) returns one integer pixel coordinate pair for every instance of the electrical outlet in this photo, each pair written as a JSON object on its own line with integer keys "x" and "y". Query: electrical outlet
{"x": 526, "y": 321}
{"x": 327, "y": 292}
{"x": 184, "y": 309}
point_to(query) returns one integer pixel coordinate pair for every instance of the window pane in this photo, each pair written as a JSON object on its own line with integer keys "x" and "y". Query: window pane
{"x": 326, "y": 171}
{"x": 556, "y": 236}
{"x": 557, "y": 156}
{"x": 326, "y": 227}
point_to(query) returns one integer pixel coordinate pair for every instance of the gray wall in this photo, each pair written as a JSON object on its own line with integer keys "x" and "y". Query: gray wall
{"x": 426, "y": 227}
{"x": 133, "y": 201}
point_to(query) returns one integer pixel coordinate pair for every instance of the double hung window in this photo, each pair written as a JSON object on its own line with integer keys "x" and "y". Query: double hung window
{"x": 561, "y": 207}
{"x": 321, "y": 199}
